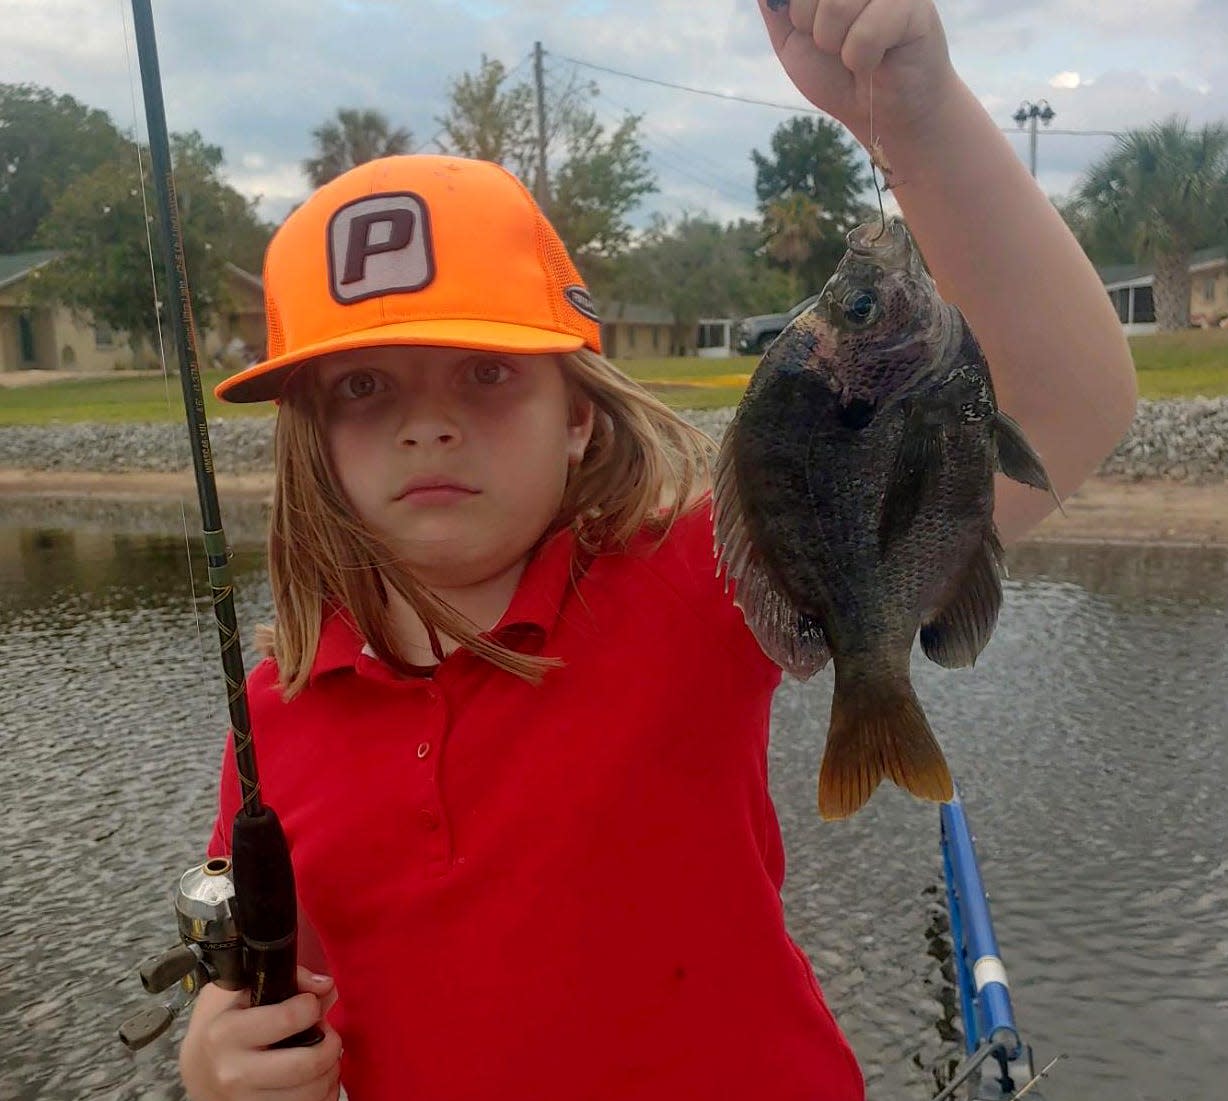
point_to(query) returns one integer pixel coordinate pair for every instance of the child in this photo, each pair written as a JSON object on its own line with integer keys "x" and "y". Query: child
{"x": 513, "y": 725}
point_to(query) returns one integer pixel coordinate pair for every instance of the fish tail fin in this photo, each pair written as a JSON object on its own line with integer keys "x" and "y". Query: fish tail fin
{"x": 878, "y": 729}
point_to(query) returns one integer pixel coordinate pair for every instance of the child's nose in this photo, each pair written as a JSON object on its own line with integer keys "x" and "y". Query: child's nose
{"x": 428, "y": 420}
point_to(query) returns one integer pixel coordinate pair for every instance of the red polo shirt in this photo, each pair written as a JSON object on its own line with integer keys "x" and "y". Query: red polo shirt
{"x": 568, "y": 891}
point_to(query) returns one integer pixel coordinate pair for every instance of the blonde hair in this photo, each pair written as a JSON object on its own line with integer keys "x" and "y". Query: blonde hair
{"x": 643, "y": 467}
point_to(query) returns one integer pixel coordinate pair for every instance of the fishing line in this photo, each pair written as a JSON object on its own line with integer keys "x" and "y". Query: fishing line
{"x": 882, "y": 214}
{"x": 166, "y": 378}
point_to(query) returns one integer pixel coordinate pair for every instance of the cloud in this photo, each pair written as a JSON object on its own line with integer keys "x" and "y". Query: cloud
{"x": 256, "y": 76}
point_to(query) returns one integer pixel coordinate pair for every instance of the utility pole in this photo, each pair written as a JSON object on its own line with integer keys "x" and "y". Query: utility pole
{"x": 1033, "y": 111}
{"x": 541, "y": 187}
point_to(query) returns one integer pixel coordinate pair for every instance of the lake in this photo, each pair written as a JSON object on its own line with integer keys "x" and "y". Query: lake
{"x": 1090, "y": 743}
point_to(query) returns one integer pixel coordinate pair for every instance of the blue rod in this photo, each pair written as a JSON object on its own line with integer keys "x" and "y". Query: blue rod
{"x": 995, "y": 1019}
{"x": 963, "y": 977}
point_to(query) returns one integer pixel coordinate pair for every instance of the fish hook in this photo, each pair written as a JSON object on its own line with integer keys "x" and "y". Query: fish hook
{"x": 876, "y": 156}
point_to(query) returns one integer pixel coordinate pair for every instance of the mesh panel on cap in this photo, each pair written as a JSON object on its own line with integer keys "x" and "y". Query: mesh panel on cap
{"x": 562, "y": 273}
{"x": 277, "y": 336}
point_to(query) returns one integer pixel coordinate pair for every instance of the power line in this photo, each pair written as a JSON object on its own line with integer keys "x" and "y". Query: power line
{"x": 688, "y": 88}
{"x": 777, "y": 106}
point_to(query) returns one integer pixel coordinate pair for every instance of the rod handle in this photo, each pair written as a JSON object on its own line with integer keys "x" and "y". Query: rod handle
{"x": 266, "y": 906}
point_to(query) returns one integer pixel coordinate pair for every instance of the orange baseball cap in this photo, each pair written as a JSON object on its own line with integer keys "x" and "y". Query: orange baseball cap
{"x": 418, "y": 249}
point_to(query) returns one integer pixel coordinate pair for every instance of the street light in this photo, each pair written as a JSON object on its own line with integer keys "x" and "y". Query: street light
{"x": 1033, "y": 111}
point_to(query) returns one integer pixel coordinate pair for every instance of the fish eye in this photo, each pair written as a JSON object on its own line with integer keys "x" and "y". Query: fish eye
{"x": 860, "y": 306}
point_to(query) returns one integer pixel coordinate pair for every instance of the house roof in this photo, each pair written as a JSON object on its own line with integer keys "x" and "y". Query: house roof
{"x": 244, "y": 276}
{"x": 1143, "y": 273}
{"x": 15, "y": 266}
{"x": 635, "y": 313}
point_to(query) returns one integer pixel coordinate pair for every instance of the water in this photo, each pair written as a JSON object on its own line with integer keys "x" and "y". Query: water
{"x": 1090, "y": 743}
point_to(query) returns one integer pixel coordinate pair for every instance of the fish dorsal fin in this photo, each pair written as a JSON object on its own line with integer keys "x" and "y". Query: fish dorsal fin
{"x": 792, "y": 640}
{"x": 1016, "y": 457}
{"x": 957, "y": 634}
{"x": 917, "y": 462}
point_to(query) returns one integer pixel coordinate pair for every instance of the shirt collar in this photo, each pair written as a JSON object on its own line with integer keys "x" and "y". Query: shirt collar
{"x": 532, "y": 613}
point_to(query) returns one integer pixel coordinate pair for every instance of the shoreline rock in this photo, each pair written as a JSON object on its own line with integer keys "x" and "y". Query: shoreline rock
{"x": 1184, "y": 440}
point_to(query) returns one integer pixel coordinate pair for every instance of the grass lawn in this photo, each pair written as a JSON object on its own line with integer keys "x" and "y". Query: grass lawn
{"x": 1170, "y": 365}
{"x": 1181, "y": 365}
{"x": 114, "y": 401}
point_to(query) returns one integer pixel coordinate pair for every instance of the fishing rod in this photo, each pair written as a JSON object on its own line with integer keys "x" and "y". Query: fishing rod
{"x": 992, "y": 1042}
{"x": 237, "y": 916}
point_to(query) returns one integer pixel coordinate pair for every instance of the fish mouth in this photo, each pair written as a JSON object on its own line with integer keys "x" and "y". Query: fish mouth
{"x": 887, "y": 245}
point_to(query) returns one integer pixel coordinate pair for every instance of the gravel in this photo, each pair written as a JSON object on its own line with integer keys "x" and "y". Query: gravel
{"x": 1183, "y": 440}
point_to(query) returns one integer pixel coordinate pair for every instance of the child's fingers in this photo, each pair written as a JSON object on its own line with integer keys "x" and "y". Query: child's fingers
{"x": 777, "y": 17}
{"x": 881, "y": 25}
{"x": 831, "y": 23}
{"x": 321, "y": 986}
{"x": 290, "y": 1068}
{"x": 262, "y": 1025}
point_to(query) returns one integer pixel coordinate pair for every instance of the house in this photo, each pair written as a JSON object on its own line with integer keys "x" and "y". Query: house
{"x": 634, "y": 331}
{"x": 46, "y": 336}
{"x": 1130, "y": 288}
{"x": 42, "y": 336}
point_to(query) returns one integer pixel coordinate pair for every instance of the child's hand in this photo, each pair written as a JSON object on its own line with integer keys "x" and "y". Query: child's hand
{"x": 224, "y": 1056}
{"x": 830, "y": 48}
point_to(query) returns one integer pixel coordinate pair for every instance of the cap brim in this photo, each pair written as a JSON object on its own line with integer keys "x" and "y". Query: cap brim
{"x": 264, "y": 381}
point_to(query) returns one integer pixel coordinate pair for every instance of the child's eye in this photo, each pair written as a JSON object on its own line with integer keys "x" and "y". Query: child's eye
{"x": 359, "y": 384}
{"x": 489, "y": 371}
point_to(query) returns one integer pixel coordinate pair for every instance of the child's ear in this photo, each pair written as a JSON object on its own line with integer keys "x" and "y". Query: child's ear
{"x": 581, "y": 412}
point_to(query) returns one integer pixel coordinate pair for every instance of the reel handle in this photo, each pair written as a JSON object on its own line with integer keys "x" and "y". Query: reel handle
{"x": 145, "y": 1026}
{"x": 164, "y": 970}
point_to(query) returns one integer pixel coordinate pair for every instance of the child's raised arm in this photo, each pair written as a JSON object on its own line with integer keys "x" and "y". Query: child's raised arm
{"x": 995, "y": 244}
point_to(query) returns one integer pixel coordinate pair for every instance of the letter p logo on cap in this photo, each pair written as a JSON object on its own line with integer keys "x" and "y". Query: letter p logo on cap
{"x": 379, "y": 245}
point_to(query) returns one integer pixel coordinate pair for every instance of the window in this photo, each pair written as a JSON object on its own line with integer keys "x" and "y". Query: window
{"x": 104, "y": 335}
{"x": 26, "y": 333}
{"x": 1144, "y": 306}
{"x": 1121, "y": 301}
{"x": 630, "y": 336}
{"x": 656, "y": 338}
{"x": 1208, "y": 290}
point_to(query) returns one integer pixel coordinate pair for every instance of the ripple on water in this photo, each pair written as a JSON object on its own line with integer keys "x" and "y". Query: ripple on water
{"x": 1089, "y": 743}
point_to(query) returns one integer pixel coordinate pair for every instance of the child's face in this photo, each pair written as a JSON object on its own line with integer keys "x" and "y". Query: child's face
{"x": 501, "y": 430}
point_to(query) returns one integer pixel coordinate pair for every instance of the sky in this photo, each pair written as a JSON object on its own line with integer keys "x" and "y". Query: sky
{"x": 256, "y": 76}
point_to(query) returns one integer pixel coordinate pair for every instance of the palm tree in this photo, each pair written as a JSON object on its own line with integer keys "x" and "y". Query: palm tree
{"x": 803, "y": 238}
{"x": 354, "y": 138}
{"x": 1164, "y": 191}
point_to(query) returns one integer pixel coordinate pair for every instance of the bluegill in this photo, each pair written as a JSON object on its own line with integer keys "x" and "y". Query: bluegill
{"x": 853, "y": 507}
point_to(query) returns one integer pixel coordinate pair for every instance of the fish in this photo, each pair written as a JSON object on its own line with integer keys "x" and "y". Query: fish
{"x": 852, "y": 507}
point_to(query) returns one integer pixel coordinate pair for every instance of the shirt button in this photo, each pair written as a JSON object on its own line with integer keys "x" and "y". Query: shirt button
{"x": 429, "y": 819}
{"x": 423, "y": 750}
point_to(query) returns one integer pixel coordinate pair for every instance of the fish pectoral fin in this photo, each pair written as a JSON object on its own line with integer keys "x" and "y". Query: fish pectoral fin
{"x": 917, "y": 462}
{"x": 1017, "y": 459}
{"x": 792, "y": 640}
{"x": 879, "y": 730}
{"x": 957, "y": 634}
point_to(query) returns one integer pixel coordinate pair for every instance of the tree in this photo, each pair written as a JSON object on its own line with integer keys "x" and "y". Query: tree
{"x": 810, "y": 193}
{"x": 697, "y": 268}
{"x": 1164, "y": 190}
{"x": 596, "y": 177}
{"x": 490, "y": 122}
{"x": 46, "y": 142}
{"x": 600, "y": 181}
{"x": 354, "y": 138}
{"x": 100, "y": 222}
